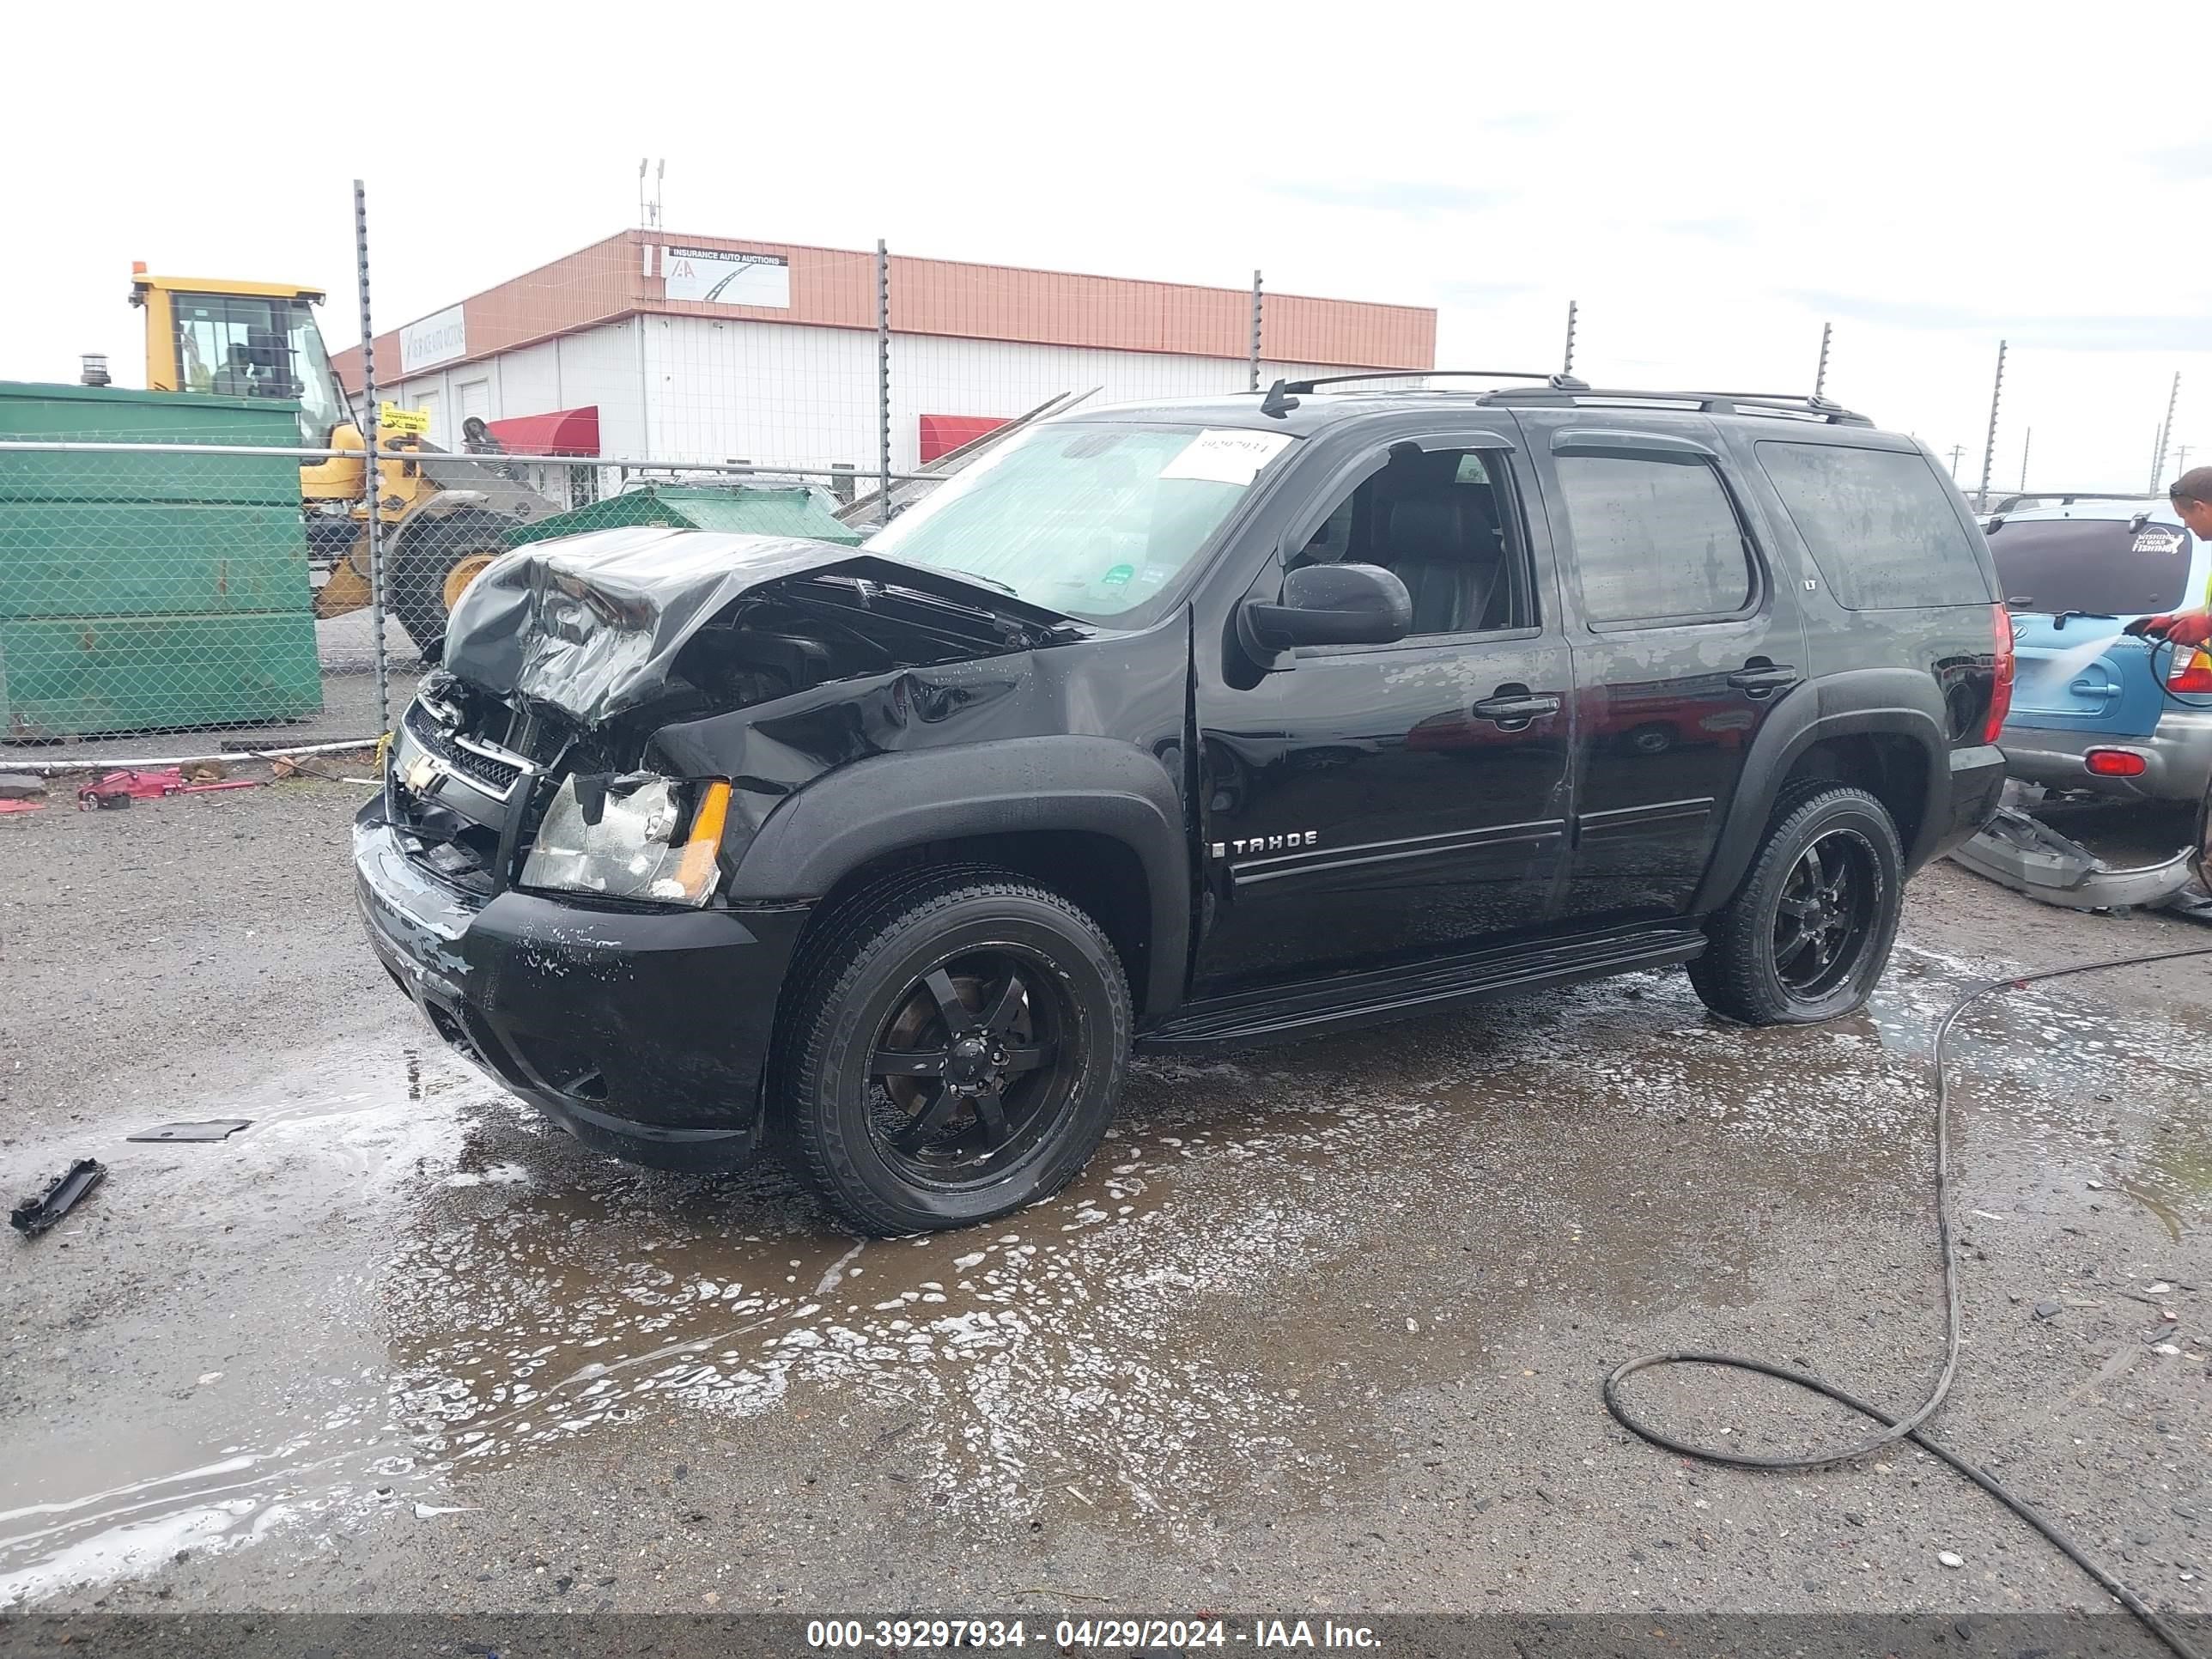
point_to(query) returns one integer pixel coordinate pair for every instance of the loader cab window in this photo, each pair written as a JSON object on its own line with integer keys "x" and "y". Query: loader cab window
{"x": 237, "y": 345}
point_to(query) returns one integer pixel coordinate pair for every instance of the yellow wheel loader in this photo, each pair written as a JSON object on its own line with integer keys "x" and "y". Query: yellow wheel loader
{"x": 444, "y": 515}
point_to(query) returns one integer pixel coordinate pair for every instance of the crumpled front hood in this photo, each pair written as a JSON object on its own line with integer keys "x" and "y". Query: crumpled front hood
{"x": 592, "y": 624}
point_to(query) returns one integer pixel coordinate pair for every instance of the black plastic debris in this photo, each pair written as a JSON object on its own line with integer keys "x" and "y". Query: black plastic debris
{"x": 214, "y": 1128}
{"x": 34, "y": 1215}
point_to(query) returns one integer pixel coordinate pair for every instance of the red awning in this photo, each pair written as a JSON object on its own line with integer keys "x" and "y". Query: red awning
{"x": 943, "y": 433}
{"x": 563, "y": 432}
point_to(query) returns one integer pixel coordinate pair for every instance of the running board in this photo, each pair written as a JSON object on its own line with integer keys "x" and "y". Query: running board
{"x": 1312, "y": 1007}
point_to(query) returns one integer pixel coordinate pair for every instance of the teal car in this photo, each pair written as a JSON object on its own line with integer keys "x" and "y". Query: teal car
{"x": 2094, "y": 709}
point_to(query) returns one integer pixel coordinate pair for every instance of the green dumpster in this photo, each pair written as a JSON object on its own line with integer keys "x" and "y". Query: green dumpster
{"x": 743, "y": 509}
{"x": 144, "y": 592}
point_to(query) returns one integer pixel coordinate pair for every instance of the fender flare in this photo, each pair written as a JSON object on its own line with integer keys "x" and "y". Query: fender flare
{"x": 1868, "y": 701}
{"x": 890, "y": 802}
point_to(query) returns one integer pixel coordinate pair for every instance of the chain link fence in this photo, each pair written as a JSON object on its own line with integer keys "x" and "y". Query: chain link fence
{"x": 189, "y": 569}
{"x": 153, "y": 589}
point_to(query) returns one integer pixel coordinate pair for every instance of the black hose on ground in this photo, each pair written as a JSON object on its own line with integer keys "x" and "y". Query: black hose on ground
{"x": 1908, "y": 1428}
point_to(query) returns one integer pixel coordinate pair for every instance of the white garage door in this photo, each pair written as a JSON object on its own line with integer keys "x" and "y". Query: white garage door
{"x": 476, "y": 403}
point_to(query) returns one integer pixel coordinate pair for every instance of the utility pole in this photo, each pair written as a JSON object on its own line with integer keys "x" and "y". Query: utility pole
{"x": 371, "y": 438}
{"x": 883, "y": 381}
{"x": 1957, "y": 450}
{"x": 1989, "y": 448}
{"x": 1567, "y": 363}
{"x": 1821, "y": 374}
{"x": 2181, "y": 458}
{"x": 1255, "y": 330}
{"x": 2024, "y": 444}
{"x": 2164, "y": 432}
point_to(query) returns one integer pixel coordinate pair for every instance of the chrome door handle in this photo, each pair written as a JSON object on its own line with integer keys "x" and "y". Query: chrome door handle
{"x": 1515, "y": 703}
{"x": 1760, "y": 678}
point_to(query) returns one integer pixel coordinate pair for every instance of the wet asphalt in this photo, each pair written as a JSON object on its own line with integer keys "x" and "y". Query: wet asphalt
{"x": 1322, "y": 1328}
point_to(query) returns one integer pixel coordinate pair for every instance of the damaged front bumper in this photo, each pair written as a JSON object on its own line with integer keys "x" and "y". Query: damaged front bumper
{"x": 643, "y": 1032}
{"x": 2027, "y": 855}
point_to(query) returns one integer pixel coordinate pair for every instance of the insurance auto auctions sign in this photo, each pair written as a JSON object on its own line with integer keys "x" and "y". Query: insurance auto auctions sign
{"x": 436, "y": 339}
{"x": 721, "y": 278}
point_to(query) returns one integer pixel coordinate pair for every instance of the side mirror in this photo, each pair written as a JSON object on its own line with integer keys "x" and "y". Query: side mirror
{"x": 1330, "y": 605}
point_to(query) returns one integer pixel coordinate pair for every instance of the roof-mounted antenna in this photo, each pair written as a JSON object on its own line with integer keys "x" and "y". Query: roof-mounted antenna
{"x": 1278, "y": 403}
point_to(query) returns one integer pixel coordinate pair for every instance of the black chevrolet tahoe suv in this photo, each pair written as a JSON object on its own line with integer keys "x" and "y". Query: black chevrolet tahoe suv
{"x": 1170, "y": 728}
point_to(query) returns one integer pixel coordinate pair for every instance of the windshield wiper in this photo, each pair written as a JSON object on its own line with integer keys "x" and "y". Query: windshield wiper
{"x": 1007, "y": 588}
{"x": 2059, "y": 620}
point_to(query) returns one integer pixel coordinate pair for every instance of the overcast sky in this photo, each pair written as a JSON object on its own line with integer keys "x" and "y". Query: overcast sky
{"x": 1710, "y": 184}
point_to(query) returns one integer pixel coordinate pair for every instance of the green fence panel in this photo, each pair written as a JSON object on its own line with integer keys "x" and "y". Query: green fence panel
{"x": 88, "y": 559}
{"x": 145, "y": 589}
{"x": 113, "y": 415}
{"x": 62, "y": 676}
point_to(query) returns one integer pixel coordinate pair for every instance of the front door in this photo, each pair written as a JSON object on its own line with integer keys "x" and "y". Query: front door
{"x": 1375, "y": 803}
{"x": 1683, "y": 644}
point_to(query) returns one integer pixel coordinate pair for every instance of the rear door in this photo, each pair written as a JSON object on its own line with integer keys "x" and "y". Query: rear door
{"x": 2073, "y": 581}
{"x": 1683, "y": 644}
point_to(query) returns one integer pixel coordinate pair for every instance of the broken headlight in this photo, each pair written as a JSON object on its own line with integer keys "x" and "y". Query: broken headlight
{"x": 636, "y": 836}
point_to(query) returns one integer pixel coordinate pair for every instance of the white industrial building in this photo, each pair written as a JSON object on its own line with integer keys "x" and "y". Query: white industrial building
{"x": 704, "y": 349}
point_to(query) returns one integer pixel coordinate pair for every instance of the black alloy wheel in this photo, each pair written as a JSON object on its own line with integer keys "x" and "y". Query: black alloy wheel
{"x": 950, "y": 1048}
{"x": 1826, "y": 908}
{"x": 1808, "y": 931}
{"x": 968, "y": 1066}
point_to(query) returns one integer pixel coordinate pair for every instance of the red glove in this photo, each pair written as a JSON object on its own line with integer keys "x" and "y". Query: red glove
{"x": 2182, "y": 627}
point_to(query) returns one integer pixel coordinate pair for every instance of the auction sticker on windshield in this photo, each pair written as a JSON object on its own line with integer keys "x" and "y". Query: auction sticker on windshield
{"x": 1229, "y": 458}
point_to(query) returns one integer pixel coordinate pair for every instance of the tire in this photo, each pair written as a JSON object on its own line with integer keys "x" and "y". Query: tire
{"x": 967, "y": 1125}
{"x": 1808, "y": 933}
{"x": 416, "y": 585}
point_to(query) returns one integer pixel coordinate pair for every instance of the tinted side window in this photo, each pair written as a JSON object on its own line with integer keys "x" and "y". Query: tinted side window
{"x": 1655, "y": 540}
{"x": 1447, "y": 525}
{"x": 1879, "y": 523}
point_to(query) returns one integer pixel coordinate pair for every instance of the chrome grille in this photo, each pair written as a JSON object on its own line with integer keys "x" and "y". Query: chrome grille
{"x": 471, "y": 758}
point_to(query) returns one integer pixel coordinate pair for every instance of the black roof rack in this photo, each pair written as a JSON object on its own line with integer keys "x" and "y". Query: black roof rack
{"x": 1557, "y": 390}
{"x": 2068, "y": 497}
{"x": 1538, "y": 374}
{"x": 1707, "y": 402}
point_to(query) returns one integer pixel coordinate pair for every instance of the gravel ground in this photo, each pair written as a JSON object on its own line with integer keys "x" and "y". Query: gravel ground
{"x": 1321, "y": 1329}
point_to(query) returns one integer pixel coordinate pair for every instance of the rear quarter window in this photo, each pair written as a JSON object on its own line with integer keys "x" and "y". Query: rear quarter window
{"x": 1880, "y": 525}
{"x": 2104, "y": 566}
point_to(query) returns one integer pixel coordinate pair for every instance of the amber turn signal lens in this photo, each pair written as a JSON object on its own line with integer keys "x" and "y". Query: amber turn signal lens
{"x": 696, "y": 874}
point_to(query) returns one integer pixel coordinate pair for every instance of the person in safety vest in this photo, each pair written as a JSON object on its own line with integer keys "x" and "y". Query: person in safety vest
{"x": 2191, "y": 495}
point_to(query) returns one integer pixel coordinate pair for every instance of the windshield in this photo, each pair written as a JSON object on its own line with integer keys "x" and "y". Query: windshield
{"x": 1090, "y": 519}
{"x": 2102, "y": 565}
{"x": 238, "y": 345}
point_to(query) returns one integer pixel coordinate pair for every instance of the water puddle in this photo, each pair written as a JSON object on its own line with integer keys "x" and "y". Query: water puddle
{"x": 420, "y": 1282}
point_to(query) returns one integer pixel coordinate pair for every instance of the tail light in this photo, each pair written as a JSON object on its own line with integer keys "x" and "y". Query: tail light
{"x": 2000, "y": 685}
{"x": 2114, "y": 763}
{"x": 2191, "y": 672}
